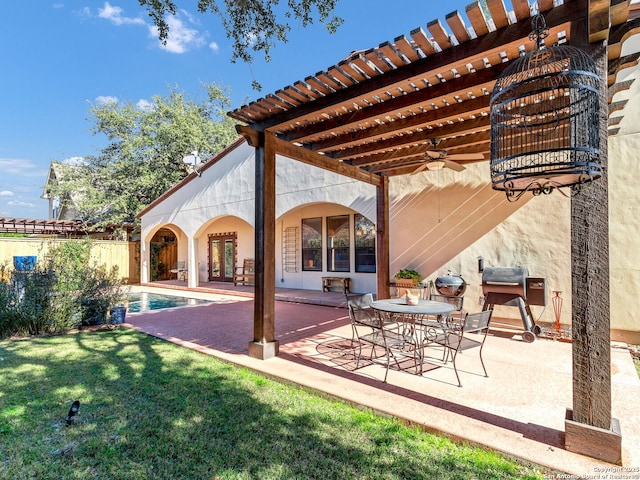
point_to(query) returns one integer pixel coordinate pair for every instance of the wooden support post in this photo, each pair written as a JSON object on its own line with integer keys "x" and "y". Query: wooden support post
{"x": 382, "y": 238}
{"x": 264, "y": 344}
{"x": 589, "y": 427}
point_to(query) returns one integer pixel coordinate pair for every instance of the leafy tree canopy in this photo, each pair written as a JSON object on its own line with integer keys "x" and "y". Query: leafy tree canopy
{"x": 143, "y": 156}
{"x": 252, "y": 25}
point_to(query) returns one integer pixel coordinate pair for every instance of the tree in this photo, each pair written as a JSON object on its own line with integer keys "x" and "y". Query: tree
{"x": 143, "y": 157}
{"x": 251, "y": 24}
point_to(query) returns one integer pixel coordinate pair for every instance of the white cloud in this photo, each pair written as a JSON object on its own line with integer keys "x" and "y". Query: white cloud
{"x": 106, "y": 99}
{"x": 17, "y": 203}
{"x": 6, "y": 193}
{"x": 251, "y": 38}
{"x": 74, "y": 161}
{"x": 190, "y": 18}
{"x": 58, "y": 5}
{"x": 21, "y": 168}
{"x": 181, "y": 37}
{"x": 115, "y": 16}
{"x": 144, "y": 105}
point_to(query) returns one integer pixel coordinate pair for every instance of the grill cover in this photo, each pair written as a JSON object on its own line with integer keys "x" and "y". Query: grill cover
{"x": 504, "y": 280}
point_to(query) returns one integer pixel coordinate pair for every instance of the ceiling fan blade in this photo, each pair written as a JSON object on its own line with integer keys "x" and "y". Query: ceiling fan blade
{"x": 420, "y": 168}
{"x": 432, "y": 154}
{"x": 466, "y": 156}
{"x": 453, "y": 165}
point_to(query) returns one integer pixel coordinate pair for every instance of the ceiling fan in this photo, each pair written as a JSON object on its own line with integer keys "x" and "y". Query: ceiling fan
{"x": 435, "y": 159}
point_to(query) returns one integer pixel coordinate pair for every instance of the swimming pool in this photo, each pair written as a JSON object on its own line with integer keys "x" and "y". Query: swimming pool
{"x": 138, "y": 302}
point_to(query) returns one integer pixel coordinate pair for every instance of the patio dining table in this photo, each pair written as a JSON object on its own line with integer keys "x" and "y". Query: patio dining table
{"x": 421, "y": 309}
{"x": 417, "y": 320}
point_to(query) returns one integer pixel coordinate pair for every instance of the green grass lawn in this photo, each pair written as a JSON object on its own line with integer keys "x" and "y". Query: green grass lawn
{"x": 153, "y": 410}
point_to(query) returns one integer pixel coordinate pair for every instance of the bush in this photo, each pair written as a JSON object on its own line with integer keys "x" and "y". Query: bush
{"x": 64, "y": 290}
{"x": 100, "y": 290}
{"x": 30, "y": 305}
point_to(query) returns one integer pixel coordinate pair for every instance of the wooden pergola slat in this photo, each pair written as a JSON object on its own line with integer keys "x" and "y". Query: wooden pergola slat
{"x": 459, "y": 29}
{"x": 441, "y": 37}
{"x": 498, "y": 13}
{"x": 476, "y": 17}
{"x": 521, "y": 9}
{"x": 404, "y": 45}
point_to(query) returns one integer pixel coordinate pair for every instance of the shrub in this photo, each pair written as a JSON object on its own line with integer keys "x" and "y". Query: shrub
{"x": 30, "y": 304}
{"x": 64, "y": 290}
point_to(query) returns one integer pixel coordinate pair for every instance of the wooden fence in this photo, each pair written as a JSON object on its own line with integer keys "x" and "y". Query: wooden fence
{"x": 124, "y": 255}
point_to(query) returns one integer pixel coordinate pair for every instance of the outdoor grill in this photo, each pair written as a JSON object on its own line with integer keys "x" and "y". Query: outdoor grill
{"x": 512, "y": 286}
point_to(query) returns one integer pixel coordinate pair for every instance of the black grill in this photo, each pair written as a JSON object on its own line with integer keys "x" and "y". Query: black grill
{"x": 512, "y": 286}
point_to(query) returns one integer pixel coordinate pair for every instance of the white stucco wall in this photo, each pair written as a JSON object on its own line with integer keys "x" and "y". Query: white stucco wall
{"x": 444, "y": 220}
{"x": 227, "y": 188}
{"x": 624, "y": 201}
{"x": 310, "y": 280}
{"x": 624, "y": 229}
{"x": 222, "y": 200}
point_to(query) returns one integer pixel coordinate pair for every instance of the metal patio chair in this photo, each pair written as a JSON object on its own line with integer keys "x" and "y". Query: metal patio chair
{"x": 457, "y": 301}
{"x": 472, "y": 333}
{"x": 382, "y": 332}
{"x": 360, "y": 313}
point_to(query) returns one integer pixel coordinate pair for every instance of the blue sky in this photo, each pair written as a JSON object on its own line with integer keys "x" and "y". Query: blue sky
{"x": 58, "y": 58}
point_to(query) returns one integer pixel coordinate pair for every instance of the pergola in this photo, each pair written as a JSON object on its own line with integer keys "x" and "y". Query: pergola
{"x": 375, "y": 113}
{"x": 69, "y": 228}
{"x": 41, "y": 227}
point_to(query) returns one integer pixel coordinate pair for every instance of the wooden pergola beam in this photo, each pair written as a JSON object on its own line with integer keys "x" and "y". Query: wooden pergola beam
{"x": 264, "y": 344}
{"x": 589, "y": 426}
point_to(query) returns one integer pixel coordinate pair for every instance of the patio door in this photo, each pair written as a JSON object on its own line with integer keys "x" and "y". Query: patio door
{"x": 222, "y": 257}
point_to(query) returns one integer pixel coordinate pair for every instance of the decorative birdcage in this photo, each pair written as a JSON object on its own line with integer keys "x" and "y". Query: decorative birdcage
{"x": 545, "y": 120}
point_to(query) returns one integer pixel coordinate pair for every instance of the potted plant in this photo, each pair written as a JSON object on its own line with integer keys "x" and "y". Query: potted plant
{"x": 407, "y": 277}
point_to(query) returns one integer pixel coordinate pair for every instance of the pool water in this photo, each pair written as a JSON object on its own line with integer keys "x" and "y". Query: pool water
{"x": 143, "y": 302}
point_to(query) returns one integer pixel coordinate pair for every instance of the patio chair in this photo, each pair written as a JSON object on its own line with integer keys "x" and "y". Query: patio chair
{"x": 382, "y": 331}
{"x": 360, "y": 313}
{"x": 458, "y": 315}
{"x": 472, "y": 333}
{"x": 180, "y": 270}
{"x": 245, "y": 275}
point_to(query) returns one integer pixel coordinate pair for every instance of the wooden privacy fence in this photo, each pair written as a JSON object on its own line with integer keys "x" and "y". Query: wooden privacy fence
{"x": 124, "y": 255}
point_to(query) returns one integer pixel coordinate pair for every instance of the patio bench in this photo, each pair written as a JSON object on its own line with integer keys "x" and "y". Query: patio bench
{"x": 330, "y": 282}
{"x": 245, "y": 275}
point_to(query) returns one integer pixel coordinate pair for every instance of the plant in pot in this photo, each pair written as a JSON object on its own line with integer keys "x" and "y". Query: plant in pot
{"x": 407, "y": 277}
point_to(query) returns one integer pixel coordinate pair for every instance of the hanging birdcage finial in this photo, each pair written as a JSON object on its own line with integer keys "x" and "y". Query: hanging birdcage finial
{"x": 545, "y": 120}
{"x": 539, "y": 31}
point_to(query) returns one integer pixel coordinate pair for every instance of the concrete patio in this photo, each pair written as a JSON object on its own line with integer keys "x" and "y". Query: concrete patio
{"x": 518, "y": 410}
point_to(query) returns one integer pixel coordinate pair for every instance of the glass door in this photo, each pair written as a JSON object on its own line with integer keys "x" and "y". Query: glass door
{"x": 222, "y": 257}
